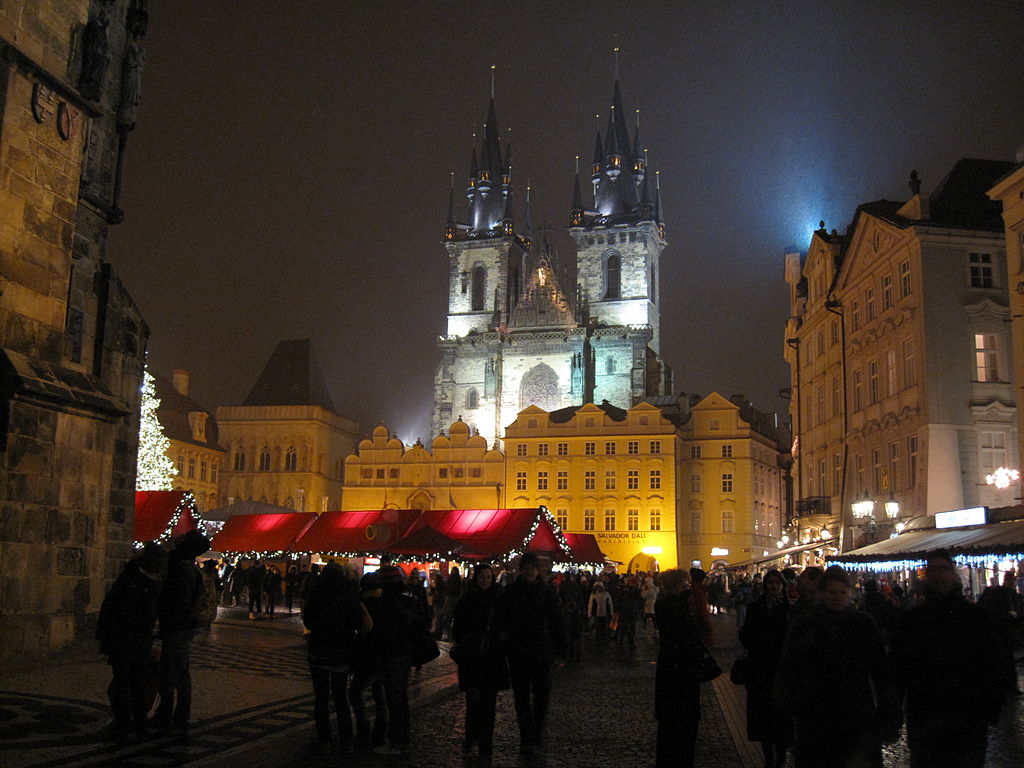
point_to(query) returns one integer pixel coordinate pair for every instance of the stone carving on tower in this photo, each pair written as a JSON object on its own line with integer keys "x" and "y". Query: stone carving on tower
{"x": 514, "y": 337}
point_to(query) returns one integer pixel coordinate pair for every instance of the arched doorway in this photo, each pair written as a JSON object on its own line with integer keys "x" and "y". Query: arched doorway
{"x": 643, "y": 562}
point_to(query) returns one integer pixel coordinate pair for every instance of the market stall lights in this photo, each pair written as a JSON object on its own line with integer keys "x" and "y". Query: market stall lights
{"x": 1002, "y": 477}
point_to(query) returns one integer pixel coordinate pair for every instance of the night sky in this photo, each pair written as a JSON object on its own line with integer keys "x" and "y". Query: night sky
{"x": 289, "y": 176}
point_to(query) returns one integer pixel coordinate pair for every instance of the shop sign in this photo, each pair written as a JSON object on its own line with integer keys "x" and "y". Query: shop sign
{"x": 961, "y": 517}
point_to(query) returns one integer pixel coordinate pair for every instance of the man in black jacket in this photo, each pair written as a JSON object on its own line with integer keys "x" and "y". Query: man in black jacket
{"x": 179, "y": 621}
{"x": 529, "y": 621}
{"x": 946, "y": 658}
{"x": 125, "y": 632}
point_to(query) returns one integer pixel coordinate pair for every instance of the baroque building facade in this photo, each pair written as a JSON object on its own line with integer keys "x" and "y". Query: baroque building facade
{"x": 286, "y": 444}
{"x": 514, "y": 336}
{"x": 604, "y": 471}
{"x": 459, "y": 471}
{"x": 732, "y": 485}
{"x": 901, "y": 367}
{"x": 72, "y": 342}
{"x": 193, "y": 436}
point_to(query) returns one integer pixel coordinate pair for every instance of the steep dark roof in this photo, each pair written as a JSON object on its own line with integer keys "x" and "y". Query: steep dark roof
{"x": 562, "y": 415}
{"x": 292, "y": 376}
{"x": 173, "y": 415}
{"x": 960, "y": 199}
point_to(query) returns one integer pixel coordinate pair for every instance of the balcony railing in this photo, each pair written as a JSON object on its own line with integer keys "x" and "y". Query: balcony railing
{"x": 814, "y": 505}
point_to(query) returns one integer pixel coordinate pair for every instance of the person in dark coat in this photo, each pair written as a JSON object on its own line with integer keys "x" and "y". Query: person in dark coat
{"x": 179, "y": 622}
{"x": 950, "y": 672}
{"x": 763, "y": 634}
{"x": 125, "y": 632}
{"x": 401, "y": 618}
{"x": 367, "y": 673}
{"x": 292, "y": 584}
{"x": 272, "y": 580}
{"x": 570, "y": 596}
{"x": 483, "y": 670}
{"x": 834, "y": 679}
{"x": 334, "y": 616}
{"x": 1005, "y": 608}
{"x": 254, "y": 586}
{"x": 529, "y": 620}
{"x": 676, "y": 687}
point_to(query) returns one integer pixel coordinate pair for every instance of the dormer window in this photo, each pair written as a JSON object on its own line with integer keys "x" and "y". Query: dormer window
{"x": 197, "y": 423}
{"x": 485, "y": 175}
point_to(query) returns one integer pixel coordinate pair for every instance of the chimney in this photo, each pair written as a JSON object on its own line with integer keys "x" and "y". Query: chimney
{"x": 180, "y": 377}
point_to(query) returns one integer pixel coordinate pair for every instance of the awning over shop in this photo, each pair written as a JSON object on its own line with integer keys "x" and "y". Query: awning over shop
{"x": 782, "y": 553}
{"x": 969, "y": 545}
{"x": 262, "y": 534}
{"x": 223, "y": 514}
{"x": 355, "y": 533}
{"x": 429, "y": 543}
{"x": 162, "y": 515}
{"x": 585, "y": 549}
{"x": 496, "y": 534}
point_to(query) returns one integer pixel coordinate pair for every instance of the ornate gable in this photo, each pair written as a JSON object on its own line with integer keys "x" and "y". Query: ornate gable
{"x": 542, "y": 304}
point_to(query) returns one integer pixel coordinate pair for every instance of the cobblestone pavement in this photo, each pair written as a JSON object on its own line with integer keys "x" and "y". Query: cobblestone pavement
{"x": 253, "y": 707}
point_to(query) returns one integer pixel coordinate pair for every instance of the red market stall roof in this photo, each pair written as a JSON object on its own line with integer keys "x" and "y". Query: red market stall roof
{"x": 496, "y": 534}
{"x": 162, "y": 515}
{"x": 585, "y": 549}
{"x": 428, "y": 542}
{"x": 356, "y": 532}
{"x": 263, "y": 534}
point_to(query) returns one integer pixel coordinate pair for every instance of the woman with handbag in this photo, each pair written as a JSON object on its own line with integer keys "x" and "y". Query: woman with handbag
{"x": 483, "y": 670}
{"x": 763, "y": 635}
{"x": 677, "y": 676}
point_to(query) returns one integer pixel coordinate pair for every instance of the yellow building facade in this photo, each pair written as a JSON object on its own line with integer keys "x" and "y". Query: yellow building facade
{"x": 600, "y": 470}
{"x": 731, "y": 485}
{"x": 193, "y": 435}
{"x": 1009, "y": 191}
{"x": 458, "y": 472}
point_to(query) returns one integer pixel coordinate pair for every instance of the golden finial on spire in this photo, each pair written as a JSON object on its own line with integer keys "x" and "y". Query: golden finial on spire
{"x": 493, "y": 67}
{"x": 577, "y": 163}
{"x": 616, "y": 51}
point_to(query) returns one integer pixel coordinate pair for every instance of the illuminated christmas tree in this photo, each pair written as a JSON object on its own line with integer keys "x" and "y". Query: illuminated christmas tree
{"x": 155, "y": 468}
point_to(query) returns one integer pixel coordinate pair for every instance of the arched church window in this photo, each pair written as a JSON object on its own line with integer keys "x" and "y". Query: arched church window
{"x": 291, "y": 460}
{"x": 265, "y": 459}
{"x": 472, "y": 399}
{"x": 609, "y": 365}
{"x": 540, "y": 387}
{"x": 479, "y": 286}
{"x": 613, "y": 276}
{"x": 654, "y": 284}
{"x": 239, "y": 460}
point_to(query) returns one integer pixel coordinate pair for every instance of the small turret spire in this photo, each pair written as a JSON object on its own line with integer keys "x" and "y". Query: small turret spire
{"x": 576, "y": 218}
{"x": 493, "y": 67}
{"x": 450, "y": 228}
{"x": 616, "y": 52}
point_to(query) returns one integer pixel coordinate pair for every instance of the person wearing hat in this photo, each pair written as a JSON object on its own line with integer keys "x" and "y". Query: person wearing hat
{"x": 178, "y": 609}
{"x": 125, "y": 632}
{"x": 529, "y": 620}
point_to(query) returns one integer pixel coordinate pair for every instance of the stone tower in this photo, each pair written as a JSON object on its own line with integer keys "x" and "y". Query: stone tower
{"x": 514, "y": 337}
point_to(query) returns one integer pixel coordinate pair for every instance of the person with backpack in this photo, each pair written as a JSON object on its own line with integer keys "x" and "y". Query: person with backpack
{"x": 125, "y": 632}
{"x": 334, "y": 616}
{"x": 181, "y": 608}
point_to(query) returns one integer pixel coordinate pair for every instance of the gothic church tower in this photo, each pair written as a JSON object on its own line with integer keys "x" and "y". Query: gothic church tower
{"x": 514, "y": 338}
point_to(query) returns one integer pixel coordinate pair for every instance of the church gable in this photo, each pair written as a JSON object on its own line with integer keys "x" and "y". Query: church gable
{"x": 542, "y": 304}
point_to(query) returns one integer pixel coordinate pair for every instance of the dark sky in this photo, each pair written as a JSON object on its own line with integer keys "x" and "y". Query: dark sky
{"x": 289, "y": 175}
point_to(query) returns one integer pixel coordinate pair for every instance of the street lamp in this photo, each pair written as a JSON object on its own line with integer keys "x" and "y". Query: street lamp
{"x": 892, "y": 507}
{"x": 864, "y": 508}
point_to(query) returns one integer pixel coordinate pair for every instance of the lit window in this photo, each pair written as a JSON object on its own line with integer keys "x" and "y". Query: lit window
{"x": 632, "y": 479}
{"x": 986, "y": 357}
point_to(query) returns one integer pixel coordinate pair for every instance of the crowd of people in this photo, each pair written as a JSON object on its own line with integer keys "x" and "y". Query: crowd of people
{"x": 832, "y": 670}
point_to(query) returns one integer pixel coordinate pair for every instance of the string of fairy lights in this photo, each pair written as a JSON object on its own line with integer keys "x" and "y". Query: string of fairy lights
{"x": 910, "y": 564}
{"x": 186, "y": 503}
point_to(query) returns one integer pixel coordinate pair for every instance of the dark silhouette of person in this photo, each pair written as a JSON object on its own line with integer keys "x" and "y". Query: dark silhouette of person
{"x": 530, "y": 626}
{"x": 950, "y": 671}
{"x": 676, "y": 686}
{"x": 125, "y": 631}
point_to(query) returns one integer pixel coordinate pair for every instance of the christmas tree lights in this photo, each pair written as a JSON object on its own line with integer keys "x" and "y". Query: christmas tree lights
{"x": 154, "y": 468}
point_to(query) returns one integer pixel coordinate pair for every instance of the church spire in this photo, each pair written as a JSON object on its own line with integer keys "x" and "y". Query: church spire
{"x": 450, "y": 227}
{"x": 576, "y": 219}
{"x": 489, "y": 190}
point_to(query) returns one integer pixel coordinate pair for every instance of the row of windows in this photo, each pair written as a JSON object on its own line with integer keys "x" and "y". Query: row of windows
{"x": 886, "y": 467}
{"x": 873, "y": 304}
{"x": 443, "y": 473}
{"x": 207, "y": 469}
{"x": 610, "y": 519}
{"x": 696, "y": 451}
{"x": 590, "y": 480}
{"x": 611, "y": 448}
{"x": 763, "y": 515}
{"x": 264, "y": 463}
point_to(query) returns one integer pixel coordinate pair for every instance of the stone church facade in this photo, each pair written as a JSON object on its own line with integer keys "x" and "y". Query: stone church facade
{"x": 72, "y": 342}
{"x": 515, "y": 337}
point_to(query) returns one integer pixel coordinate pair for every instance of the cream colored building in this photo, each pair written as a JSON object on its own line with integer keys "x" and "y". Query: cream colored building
{"x": 924, "y": 407}
{"x": 286, "y": 445}
{"x": 1009, "y": 190}
{"x": 458, "y": 472}
{"x": 600, "y": 470}
{"x": 731, "y": 487}
{"x": 194, "y": 449}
